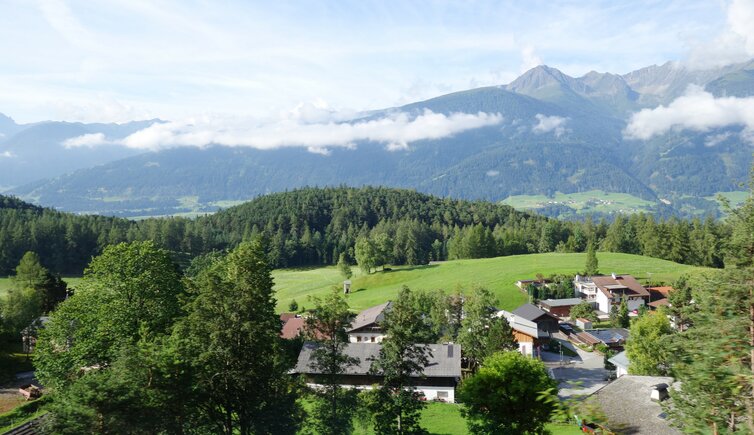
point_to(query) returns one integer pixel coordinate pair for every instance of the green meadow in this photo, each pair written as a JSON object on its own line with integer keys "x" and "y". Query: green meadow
{"x": 497, "y": 274}
{"x": 583, "y": 202}
{"x": 7, "y": 283}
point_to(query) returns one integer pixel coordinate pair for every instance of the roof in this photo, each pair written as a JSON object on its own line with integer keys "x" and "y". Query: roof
{"x": 531, "y": 313}
{"x": 284, "y": 317}
{"x": 370, "y": 316}
{"x": 628, "y": 283}
{"x": 610, "y": 335}
{"x": 663, "y": 290}
{"x": 620, "y": 360}
{"x": 292, "y": 328}
{"x": 444, "y": 359}
{"x": 560, "y": 302}
{"x": 628, "y": 407}
{"x": 659, "y": 303}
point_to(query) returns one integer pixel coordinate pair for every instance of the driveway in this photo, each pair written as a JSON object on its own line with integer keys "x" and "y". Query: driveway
{"x": 578, "y": 376}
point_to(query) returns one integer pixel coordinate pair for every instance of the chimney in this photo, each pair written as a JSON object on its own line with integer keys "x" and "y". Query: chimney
{"x": 450, "y": 350}
{"x": 659, "y": 392}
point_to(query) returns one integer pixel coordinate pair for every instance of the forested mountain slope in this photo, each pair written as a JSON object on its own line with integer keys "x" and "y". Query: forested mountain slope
{"x": 315, "y": 226}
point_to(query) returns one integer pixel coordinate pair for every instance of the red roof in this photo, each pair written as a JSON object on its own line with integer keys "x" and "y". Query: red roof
{"x": 292, "y": 328}
{"x": 629, "y": 285}
{"x": 284, "y": 317}
{"x": 659, "y": 303}
{"x": 664, "y": 290}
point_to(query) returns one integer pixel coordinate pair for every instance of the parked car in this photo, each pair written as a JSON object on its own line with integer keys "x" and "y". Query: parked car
{"x": 566, "y": 328}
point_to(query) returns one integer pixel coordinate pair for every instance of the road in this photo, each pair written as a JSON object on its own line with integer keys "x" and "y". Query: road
{"x": 578, "y": 376}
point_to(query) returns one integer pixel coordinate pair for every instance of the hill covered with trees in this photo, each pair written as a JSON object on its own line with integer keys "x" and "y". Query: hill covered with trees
{"x": 314, "y": 226}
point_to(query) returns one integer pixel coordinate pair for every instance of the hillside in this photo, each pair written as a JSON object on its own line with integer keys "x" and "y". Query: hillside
{"x": 497, "y": 274}
{"x": 557, "y": 134}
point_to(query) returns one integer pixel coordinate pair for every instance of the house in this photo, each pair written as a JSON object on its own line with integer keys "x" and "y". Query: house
{"x": 583, "y": 323}
{"x": 366, "y": 328}
{"x": 30, "y": 333}
{"x": 532, "y": 327}
{"x": 607, "y": 291}
{"x": 664, "y": 302}
{"x": 631, "y": 405}
{"x": 613, "y": 338}
{"x": 559, "y": 307}
{"x": 438, "y": 381}
{"x": 524, "y": 283}
{"x": 620, "y": 361}
{"x": 293, "y": 328}
{"x": 659, "y": 292}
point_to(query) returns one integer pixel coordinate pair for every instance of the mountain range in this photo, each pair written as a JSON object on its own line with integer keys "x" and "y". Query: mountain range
{"x": 558, "y": 134}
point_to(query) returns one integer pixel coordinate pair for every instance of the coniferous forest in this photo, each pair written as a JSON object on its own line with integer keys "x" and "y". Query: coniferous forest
{"x": 314, "y": 226}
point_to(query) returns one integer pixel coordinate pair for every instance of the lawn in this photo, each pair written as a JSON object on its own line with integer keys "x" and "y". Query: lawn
{"x": 446, "y": 419}
{"x": 7, "y": 283}
{"x": 583, "y": 202}
{"x": 497, "y": 274}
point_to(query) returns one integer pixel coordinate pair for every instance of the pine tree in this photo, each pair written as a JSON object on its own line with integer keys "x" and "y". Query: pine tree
{"x": 592, "y": 265}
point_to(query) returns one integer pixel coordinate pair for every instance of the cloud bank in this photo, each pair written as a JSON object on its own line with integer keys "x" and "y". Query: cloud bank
{"x": 734, "y": 44}
{"x": 395, "y": 131}
{"x": 695, "y": 110}
{"x": 546, "y": 124}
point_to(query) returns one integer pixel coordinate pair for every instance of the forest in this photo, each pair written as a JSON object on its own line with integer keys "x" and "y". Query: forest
{"x": 314, "y": 226}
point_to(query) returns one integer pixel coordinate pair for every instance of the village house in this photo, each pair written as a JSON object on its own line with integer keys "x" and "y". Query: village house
{"x": 532, "y": 327}
{"x": 607, "y": 291}
{"x": 613, "y": 338}
{"x": 438, "y": 381}
{"x": 559, "y": 307}
{"x": 366, "y": 326}
{"x": 620, "y": 361}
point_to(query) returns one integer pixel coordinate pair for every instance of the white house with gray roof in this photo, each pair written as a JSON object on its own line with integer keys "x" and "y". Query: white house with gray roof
{"x": 438, "y": 381}
{"x": 367, "y": 325}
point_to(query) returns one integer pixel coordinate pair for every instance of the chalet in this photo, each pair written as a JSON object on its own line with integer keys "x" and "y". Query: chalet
{"x": 607, "y": 291}
{"x": 366, "y": 328}
{"x": 613, "y": 338}
{"x": 559, "y": 307}
{"x": 532, "y": 327}
{"x": 438, "y": 381}
{"x": 659, "y": 292}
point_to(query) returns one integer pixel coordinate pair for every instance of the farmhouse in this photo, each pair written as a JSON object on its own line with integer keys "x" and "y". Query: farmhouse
{"x": 559, "y": 307}
{"x": 607, "y": 291}
{"x": 532, "y": 327}
{"x": 438, "y": 381}
{"x": 366, "y": 328}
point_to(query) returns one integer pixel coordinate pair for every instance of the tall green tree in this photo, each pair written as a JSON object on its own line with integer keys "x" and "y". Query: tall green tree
{"x": 648, "y": 343}
{"x": 30, "y": 273}
{"x": 503, "y": 396}
{"x": 583, "y": 310}
{"x": 479, "y": 311}
{"x": 366, "y": 254}
{"x": 396, "y": 405}
{"x": 591, "y": 267}
{"x": 681, "y": 306}
{"x": 334, "y": 406}
{"x": 619, "y": 315}
{"x": 344, "y": 267}
{"x": 230, "y": 339}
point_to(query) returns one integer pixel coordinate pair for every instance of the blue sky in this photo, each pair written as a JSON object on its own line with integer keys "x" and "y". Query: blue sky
{"x": 121, "y": 60}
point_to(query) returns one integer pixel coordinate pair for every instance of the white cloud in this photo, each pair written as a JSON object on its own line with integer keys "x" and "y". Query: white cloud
{"x": 7, "y": 155}
{"x": 695, "y": 110}
{"x": 396, "y": 131}
{"x": 87, "y": 140}
{"x": 492, "y": 173}
{"x": 734, "y": 44}
{"x": 716, "y": 139}
{"x": 546, "y": 124}
{"x": 529, "y": 59}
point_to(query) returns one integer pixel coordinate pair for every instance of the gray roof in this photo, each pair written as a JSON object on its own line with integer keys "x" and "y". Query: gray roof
{"x": 370, "y": 316}
{"x": 444, "y": 359}
{"x": 627, "y": 405}
{"x": 561, "y": 302}
{"x": 609, "y": 335}
{"x": 529, "y": 312}
{"x": 620, "y": 360}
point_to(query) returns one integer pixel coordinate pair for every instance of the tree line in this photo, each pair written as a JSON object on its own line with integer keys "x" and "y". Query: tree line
{"x": 315, "y": 226}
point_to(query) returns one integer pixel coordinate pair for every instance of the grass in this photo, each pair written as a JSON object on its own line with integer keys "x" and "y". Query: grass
{"x": 736, "y": 198}
{"x": 7, "y": 283}
{"x": 583, "y": 202}
{"x": 497, "y": 274}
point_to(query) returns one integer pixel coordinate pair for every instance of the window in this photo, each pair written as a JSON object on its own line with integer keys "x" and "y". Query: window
{"x": 358, "y": 339}
{"x": 442, "y": 395}
{"x": 371, "y": 339}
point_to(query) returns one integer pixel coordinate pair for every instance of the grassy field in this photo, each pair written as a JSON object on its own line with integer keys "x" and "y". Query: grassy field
{"x": 7, "y": 283}
{"x": 497, "y": 274}
{"x": 583, "y": 202}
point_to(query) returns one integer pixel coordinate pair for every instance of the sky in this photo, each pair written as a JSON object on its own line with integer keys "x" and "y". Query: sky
{"x": 116, "y": 61}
